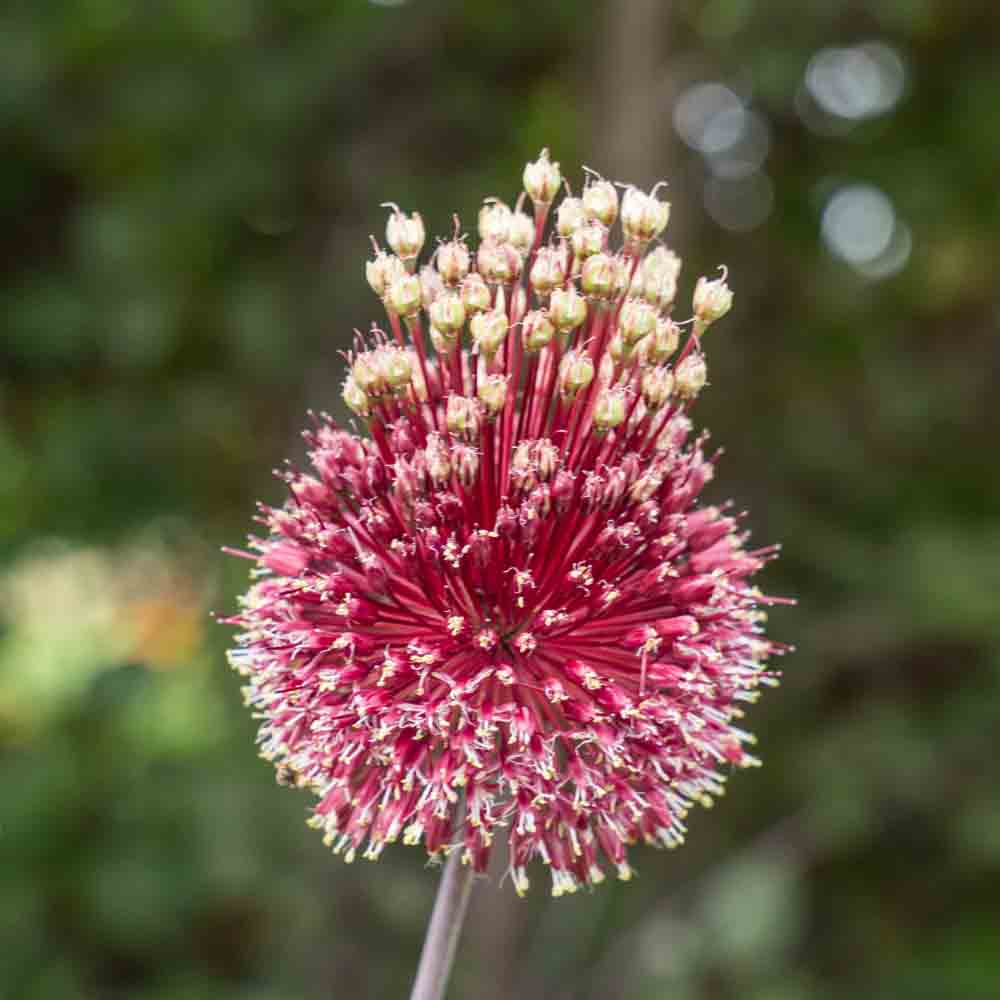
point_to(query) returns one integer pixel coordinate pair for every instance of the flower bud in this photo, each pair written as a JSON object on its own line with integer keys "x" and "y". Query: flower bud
{"x": 396, "y": 367}
{"x": 452, "y": 261}
{"x": 465, "y": 462}
{"x": 436, "y": 454}
{"x": 567, "y": 309}
{"x": 448, "y": 313}
{"x": 644, "y": 216}
{"x": 548, "y": 270}
{"x": 405, "y": 234}
{"x": 542, "y": 179}
{"x": 576, "y": 372}
{"x": 462, "y": 417}
{"x": 499, "y": 263}
{"x": 712, "y": 299}
{"x": 366, "y": 374}
{"x": 598, "y": 276}
{"x": 431, "y": 286}
{"x": 570, "y": 216}
{"x": 618, "y": 350}
{"x": 588, "y": 239}
{"x": 355, "y": 398}
{"x": 382, "y": 271}
{"x": 659, "y": 273}
{"x": 492, "y": 394}
{"x": 690, "y": 376}
{"x": 546, "y": 458}
{"x": 636, "y": 320}
{"x": 609, "y": 410}
{"x": 656, "y": 349}
{"x": 522, "y": 232}
{"x": 489, "y": 329}
{"x": 475, "y": 294}
{"x": 494, "y": 221}
{"x": 536, "y": 330}
{"x": 600, "y": 202}
{"x": 657, "y": 384}
{"x": 405, "y": 296}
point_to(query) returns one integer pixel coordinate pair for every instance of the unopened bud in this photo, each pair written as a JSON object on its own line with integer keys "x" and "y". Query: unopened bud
{"x": 567, "y": 309}
{"x": 576, "y": 372}
{"x": 570, "y": 216}
{"x": 655, "y": 349}
{"x": 405, "y": 234}
{"x": 465, "y": 462}
{"x": 499, "y": 263}
{"x": 355, "y": 398}
{"x": 537, "y": 330}
{"x": 690, "y": 376}
{"x": 448, "y": 313}
{"x": 492, "y": 394}
{"x": 546, "y": 458}
{"x": 712, "y": 299}
{"x": 542, "y": 179}
{"x": 659, "y": 273}
{"x": 548, "y": 270}
{"x": 436, "y": 455}
{"x": 636, "y": 320}
{"x": 588, "y": 239}
{"x": 382, "y": 271}
{"x": 396, "y": 367}
{"x": 522, "y": 232}
{"x": 488, "y": 331}
{"x": 598, "y": 276}
{"x": 431, "y": 286}
{"x": 463, "y": 417}
{"x": 475, "y": 294}
{"x": 600, "y": 202}
{"x": 609, "y": 410}
{"x": 644, "y": 216}
{"x": 366, "y": 374}
{"x": 494, "y": 221}
{"x": 657, "y": 384}
{"x": 405, "y": 296}
{"x": 452, "y": 261}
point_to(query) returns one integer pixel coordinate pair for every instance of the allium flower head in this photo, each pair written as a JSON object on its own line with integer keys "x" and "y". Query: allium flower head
{"x": 495, "y": 605}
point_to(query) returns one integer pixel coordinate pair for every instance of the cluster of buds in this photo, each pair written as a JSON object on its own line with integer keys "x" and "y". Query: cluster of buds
{"x": 504, "y": 609}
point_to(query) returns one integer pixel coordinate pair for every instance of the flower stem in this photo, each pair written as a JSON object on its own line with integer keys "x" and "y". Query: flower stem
{"x": 444, "y": 930}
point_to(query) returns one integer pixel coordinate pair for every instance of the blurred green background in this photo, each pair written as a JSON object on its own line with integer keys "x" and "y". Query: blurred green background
{"x": 187, "y": 190}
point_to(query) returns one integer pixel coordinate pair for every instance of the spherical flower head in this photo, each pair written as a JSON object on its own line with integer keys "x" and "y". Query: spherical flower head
{"x": 496, "y": 606}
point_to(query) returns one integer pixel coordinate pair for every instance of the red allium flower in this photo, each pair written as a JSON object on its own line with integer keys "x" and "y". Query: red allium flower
{"x": 503, "y": 607}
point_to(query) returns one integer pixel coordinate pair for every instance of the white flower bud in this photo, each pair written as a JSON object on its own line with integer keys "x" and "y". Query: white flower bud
{"x": 498, "y": 263}
{"x": 567, "y": 309}
{"x": 657, "y": 384}
{"x": 588, "y": 239}
{"x": 636, "y": 320}
{"x": 382, "y": 271}
{"x": 609, "y": 410}
{"x": 570, "y": 216}
{"x": 452, "y": 261}
{"x": 489, "y": 329}
{"x": 598, "y": 276}
{"x": 712, "y": 299}
{"x": 690, "y": 376}
{"x": 600, "y": 202}
{"x": 366, "y": 374}
{"x": 548, "y": 270}
{"x": 405, "y": 296}
{"x": 656, "y": 349}
{"x": 492, "y": 394}
{"x": 542, "y": 179}
{"x": 405, "y": 234}
{"x": 494, "y": 221}
{"x": 576, "y": 372}
{"x": 447, "y": 313}
{"x": 644, "y": 216}
{"x": 462, "y": 417}
{"x": 436, "y": 455}
{"x": 475, "y": 294}
{"x": 395, "y": 367}
{"x": 522, "y": 232}
{"x": 355, "y": 398}
{"x": 536, "y": 330}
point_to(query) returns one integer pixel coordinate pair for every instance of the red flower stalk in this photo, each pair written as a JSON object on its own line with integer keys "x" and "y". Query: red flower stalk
{"x": 504, "y": 607}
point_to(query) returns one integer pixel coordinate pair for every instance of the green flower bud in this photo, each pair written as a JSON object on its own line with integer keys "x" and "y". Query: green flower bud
{"x": 548, "y": 270}
{"x": 452, "y": 261}
{"x": 536, "y": 330}
{"x": 355, "y": 398}
{"x": 492, "y": 394}
{"x": 690, "y": 376}
{"x": 600, "y": 202}
{"x": 567, "y": 309}
{"x": 712, "y": 299}
{"x": 489, "y": 329}
{"x": 576, "y": 372}
{"x": 447, "y": 313}
{"x": 405, "y": 296}
{"x": 598, "y": 276}
{"x": 657, "y": 384}
{"x": 609, "y": 410}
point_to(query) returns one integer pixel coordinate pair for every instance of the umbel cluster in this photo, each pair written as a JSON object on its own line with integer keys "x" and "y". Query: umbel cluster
{"x": 494, "y": 611}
